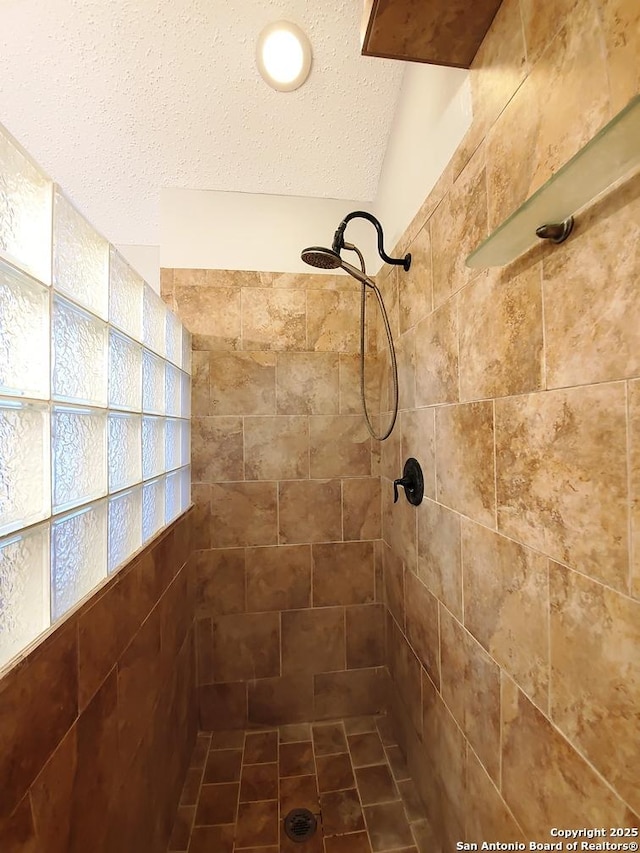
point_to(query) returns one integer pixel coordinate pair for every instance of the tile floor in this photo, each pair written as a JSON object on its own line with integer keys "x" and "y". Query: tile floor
{"x": 350, "y": 773}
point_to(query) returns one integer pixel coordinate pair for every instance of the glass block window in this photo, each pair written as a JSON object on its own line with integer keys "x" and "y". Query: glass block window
{"x": 95, "y": 397}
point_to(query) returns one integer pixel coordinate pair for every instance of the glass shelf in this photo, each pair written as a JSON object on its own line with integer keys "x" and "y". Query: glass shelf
{"x": 613, "y": 153}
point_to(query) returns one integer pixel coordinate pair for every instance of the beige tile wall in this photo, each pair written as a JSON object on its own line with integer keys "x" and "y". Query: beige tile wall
{"x": 513, "y": 591}
{"x": 286, "y": 483}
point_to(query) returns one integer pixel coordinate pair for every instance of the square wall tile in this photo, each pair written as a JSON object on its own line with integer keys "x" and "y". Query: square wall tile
{"x": 278, "y": 578}
{"x": 562, "y": 455}
{"x": 313, "y": 640}
{"x": 242, "y": 383}
{"x": 243, "y": 514}
{"x": 274, "y": 319}
{"x": 276, "y": 448}
{"x": 309, "y": 511}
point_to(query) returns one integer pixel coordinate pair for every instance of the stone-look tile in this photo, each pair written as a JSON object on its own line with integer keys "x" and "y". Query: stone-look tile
{"x": 399, "y": 525}
{"x": 562, "y": 788}
{"x": 359, "y": 725}
{"x": 229, "y": 739}
{"x": 243, "y": 514}
{"x": 366, "y": 749}
{"x": 342, "y": 573}
{"x": 595, "y": 676}
{"x": 228, "y": 278}
{"x": 562, "y": 477}
{"x": 417, "y": 429}
{"x": 329, "y": 739}
{"x": 273, "y": 319}
{"x": 334, "y": 773}
{"x": 376, "y": 785}
{"x": 313, "y": 640}
{"x": 634, "y": 458}
{"x": 550, "y": 123}
{"x": 298, "y": 792}
{"x": 411, "y": 799}
{"x": 246, "y": 646}
{"x": 406, "y": 363}
{"x": 465, "y": 460}
{"x": 394, "y": 585}
{"x": 390, "y": 465}
{"x": 457, "y": 227}
{"x": 39, "y": 704}
{"x": 414, "y": 286}
{"x": 216, "y": 449}
{"x": 200, "y": 404}
{"x": 201, "y": 525}
{"x": 590, "y": 297}
{"x": 206, "y": 838}
{"x": 308, "y": 383}
{"x": 217, "y": 804}
{"x": 296, "y": 759}
{"x": 351, "y": 693}
{"x": 500, "y": 322}
{"x": 223, "y": 765}
{"x": 498, "y": 70}
{"x": 340, "y": 446}
{"x": 397, "y": 763}
{"x": 278, "y": 578}
{"x": 295, "y": 733}
{"x": 365, "y": 636}
{"x": 257, "y": 824}
{"x": 487, "y": 816}
{"x": 405, "y": 671}
{"x": 341, "y": 812}
{"x": 350, "y": 395}
{"x": 386, "y": 728}
{"x": 437, "y": 356}
{"x": 166, "y": 285}
{"x": 356, "y": 842}
{"x": 388, "y": 826}
{"x": 421, "y": 609}
{"x": 67, "y": 798}
{"x": 276, "y": 448}
{"x": 541, "y": 21}
{"x": 212, "y": 315}
{"x": 298, "y": 281}
{"x": 222, "y": 705}
{"x": 444, "y": 793}
{"x": 621, "y": 19}
{"x": 220, "y": 581}
{"x": 191, "y": 787}
{"x": 261, "y": 747}
{"x": 259, "y": 782}
{"x": 310, "y": 511}
{"x": 439, "y": 557}
{"x": 471, "y": 688}
{"x": 101, "y": 640}
{"x": 276, "y": 701}
{"x": 333, "y": 321}
{"x": 204, "y": 651}
{"x": 241, "y": 383}
{"x": 361, "y": 508}
{"x": 182, "y": 828}
{"x": 507, "y": 606}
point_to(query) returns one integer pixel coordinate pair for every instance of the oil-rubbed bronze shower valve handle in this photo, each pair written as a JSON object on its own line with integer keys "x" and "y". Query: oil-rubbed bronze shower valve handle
{"x": 411, "y": 481}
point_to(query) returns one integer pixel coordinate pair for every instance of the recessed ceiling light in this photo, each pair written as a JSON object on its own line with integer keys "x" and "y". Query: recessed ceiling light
{"x": 283, "y": 56}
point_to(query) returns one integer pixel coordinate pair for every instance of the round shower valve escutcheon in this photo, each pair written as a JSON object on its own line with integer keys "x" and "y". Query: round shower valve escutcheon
{"x": 411, "y": 481}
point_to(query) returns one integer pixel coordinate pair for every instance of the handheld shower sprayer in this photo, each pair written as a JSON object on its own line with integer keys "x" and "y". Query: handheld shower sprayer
{"x": 330, "y": 259}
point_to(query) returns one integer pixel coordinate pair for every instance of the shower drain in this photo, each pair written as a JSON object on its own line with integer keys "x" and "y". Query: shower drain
{"x": 300, "y": 824}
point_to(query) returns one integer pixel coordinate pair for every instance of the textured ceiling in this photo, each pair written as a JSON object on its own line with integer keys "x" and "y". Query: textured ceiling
{"x": 117, "y": 98}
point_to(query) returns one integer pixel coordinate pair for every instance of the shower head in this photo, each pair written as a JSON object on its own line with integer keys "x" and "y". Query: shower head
{"x": 327, "y": 259}
{"x": 318, "y": 256}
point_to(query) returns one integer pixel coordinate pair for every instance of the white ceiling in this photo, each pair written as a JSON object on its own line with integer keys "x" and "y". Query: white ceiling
{"x": 118, "y": 98}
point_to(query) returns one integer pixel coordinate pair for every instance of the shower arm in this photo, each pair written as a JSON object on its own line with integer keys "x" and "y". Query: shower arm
{"x": 338, "y": 240}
